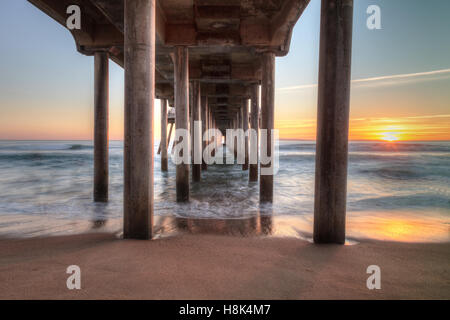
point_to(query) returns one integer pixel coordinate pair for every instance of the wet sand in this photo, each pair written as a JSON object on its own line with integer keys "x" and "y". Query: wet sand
{"x": 201, "y": 266}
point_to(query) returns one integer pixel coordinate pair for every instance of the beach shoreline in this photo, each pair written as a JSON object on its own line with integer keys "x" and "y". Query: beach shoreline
{"x": 396, "y": 226}
{"x": 204, "y": 266}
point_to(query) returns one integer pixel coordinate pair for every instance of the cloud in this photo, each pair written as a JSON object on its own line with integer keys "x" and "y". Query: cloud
{"x": 431, "y": 117}
{"x": 385, "y": 80}
{"x": 305, "y": 86}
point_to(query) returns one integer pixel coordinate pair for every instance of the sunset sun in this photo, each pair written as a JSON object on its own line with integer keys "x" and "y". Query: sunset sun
{"x": 391, "y": 133}
{"x": 390, "y": 136}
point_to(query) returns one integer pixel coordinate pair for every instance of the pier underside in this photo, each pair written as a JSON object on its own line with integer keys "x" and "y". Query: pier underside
{"x": 225, "y": 39}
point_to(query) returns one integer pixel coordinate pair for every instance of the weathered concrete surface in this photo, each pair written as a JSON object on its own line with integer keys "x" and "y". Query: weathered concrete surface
{"x": 204, "y": 106}
{"x": 164, "y": 160}
{"x": 101, "y": 142}
{"x": 333, "y": 121}
{"x": 139, "y": 104}
{"x": 196, "y": 139}
{"x": 181, "y": 58}
{"x": 245, "y": 127}
{"x": 254, "y": 123}
{"x": 267, "y": 123}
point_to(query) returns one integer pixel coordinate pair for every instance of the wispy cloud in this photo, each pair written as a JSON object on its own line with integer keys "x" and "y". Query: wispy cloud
{"x": 431, "y": 117}
{"x": 386, "y": 80}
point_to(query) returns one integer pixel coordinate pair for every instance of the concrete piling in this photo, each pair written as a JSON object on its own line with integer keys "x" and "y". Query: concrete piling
{"x": 333, "y": 121}
{"x": 139, "y": 104}
{"x": 181, "y": 66}
{"x": 196, "y": 139}
{"x": 254, "y": 145}
{"x": 101, "y": 110}
{"x": 164, "y": 159}
{"x": 245, "y": 128}
{"x": 204, "y": 106}
{"x": 267, "y": 123}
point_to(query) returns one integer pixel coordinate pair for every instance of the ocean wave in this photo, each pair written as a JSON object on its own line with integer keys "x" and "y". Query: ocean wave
{"x": 34, "y": 157}
{"x": 406, "y": 171}
{"x": 79, "y": 147}
{"x": 42, "y": 147}
{"x": 56, "y": 178}
{"x": 298, "y": 146}
{"x": 402, "y": 202}
{"x": 398, "y": 147}
{"x": 400, "y": 173}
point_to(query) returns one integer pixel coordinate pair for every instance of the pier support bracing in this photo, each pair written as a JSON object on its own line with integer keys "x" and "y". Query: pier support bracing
{"x": 101, "y": 110}
{"x": 139, "y": 103}
{"x": 164, "y": 160}
{"x": 254, "y": 123}
{"x": 267, "y": 123}
{"x": 333, "y": 121}
{"x": 181, "y": 66}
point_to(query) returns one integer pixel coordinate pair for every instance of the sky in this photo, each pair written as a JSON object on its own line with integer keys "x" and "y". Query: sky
{"x": 400, "y": 76}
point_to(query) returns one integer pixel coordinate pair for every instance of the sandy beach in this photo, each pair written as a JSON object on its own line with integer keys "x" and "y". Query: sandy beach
{"x": 190, "y": 266}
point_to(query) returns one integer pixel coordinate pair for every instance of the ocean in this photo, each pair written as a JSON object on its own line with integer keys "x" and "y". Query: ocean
{"x": 397, "y": 191}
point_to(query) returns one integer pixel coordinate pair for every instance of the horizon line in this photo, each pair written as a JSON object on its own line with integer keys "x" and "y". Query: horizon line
{"x": 281, "y": 139}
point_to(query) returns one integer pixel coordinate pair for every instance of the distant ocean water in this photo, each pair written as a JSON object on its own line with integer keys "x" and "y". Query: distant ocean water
{"x": 396, "y": 191}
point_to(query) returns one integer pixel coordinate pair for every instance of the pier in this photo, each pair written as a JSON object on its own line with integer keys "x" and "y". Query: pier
{"x": 212, "y": 61}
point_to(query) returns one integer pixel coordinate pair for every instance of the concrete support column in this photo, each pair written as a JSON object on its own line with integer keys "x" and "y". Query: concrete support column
{"x": 245, "y": 127}
{"x": 139, "y": 103}
{"x": 333, "y": 121}
{"x": 191, "y": 118}
{"x": 181, "y": 66}
{"x": 164, "y": 161}
{"x": 254, "y": 144}
{"x": 211, "y": 126}
{"x": 214, "y": 138}
{"x": 267, "y": 123}
{"x": 239, "y": 126}
{"x": 204, "y": 107}
{"x": 196, "y": 140}
{"x": 209, "y": 123}
{"x": 101, "y": 108}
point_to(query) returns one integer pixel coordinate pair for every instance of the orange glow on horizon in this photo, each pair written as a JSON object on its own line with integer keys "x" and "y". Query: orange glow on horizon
{"x": 419, "y": 128}
{"x": 77, "y": 124}
{"x": 390, "y": 138}
{"x": 392, "y": 133}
